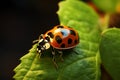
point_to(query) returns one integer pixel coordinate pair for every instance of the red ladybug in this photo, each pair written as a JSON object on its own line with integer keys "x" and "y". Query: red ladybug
{"x": 60, "y": 38}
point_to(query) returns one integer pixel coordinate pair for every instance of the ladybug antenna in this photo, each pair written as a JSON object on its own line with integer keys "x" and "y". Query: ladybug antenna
{"x": 40, "y": 37}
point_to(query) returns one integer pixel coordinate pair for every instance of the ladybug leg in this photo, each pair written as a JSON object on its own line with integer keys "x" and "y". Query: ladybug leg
{"x": 40, "y": 54}
{"x": 53, "y": 59}
{"x": 61, "y": 54}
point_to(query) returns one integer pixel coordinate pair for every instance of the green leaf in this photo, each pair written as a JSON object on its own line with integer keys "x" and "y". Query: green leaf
{"x": 110, "y": 52}
{"x": 80, "y": 63}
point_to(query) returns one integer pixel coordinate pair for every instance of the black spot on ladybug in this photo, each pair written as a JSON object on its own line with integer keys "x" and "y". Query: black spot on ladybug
{"x": 75, "y": 41}
{"x": 69, "y": 41}
{"x": 59, "y": 26}
{"x": 51, "y": 34}
{"x": 72, "y": 32}
{"x": 58, "y": 39}
{"x": 62, "y": 45}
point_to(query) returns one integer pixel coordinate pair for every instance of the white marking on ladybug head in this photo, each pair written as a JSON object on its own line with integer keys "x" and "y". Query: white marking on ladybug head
{"x": 47, "y": 45}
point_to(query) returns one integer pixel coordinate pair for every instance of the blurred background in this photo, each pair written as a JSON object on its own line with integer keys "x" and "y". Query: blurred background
{"x": 21, "y": 22}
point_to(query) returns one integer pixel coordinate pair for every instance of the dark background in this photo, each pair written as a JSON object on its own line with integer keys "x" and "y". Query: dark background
{"x": 21, "y": 22}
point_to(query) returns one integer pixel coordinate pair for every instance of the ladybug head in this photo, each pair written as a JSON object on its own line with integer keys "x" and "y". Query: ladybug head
{"x": 43, "y": 44}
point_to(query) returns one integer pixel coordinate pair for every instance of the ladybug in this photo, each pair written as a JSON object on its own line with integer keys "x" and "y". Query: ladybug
{"x": 59, "y": 38}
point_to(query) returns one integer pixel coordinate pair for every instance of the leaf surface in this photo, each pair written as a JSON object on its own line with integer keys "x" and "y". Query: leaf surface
{"x": 80, "y": 63}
